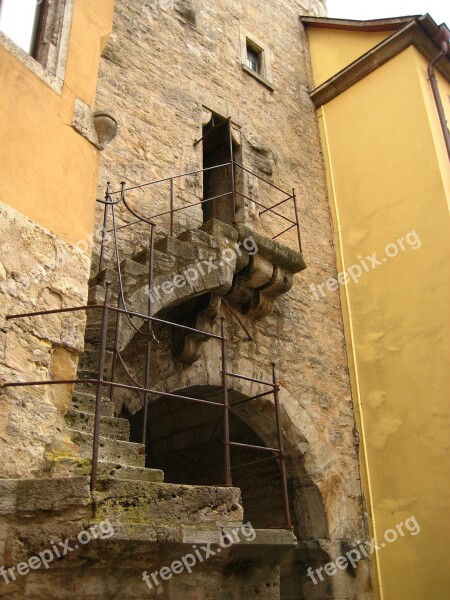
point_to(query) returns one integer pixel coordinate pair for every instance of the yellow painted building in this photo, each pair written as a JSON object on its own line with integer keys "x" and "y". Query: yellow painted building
{"x": 49, "y": 161}
{"x": 388, "y": 177}
{"x": 49, "y": 154}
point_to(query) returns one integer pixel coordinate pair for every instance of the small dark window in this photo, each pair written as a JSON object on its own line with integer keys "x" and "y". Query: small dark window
{"x": 254, "y": 58}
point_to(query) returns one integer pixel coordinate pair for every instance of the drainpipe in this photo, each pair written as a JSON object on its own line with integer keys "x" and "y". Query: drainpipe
{"x": 434, "y": 87}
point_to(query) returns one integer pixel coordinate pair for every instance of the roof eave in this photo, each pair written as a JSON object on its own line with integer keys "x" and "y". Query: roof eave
{"x": 419, "y": 33}
{"x": 391, "y": 24}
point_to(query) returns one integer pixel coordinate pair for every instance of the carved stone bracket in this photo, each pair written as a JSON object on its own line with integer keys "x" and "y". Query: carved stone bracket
{"x": 269, "y": 274}
{"x": 250, "y": 275}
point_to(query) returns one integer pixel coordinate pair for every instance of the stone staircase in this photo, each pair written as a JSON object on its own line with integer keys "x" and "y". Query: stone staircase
{"x": 154, "y": 522}
{"x": 118, "y": 457}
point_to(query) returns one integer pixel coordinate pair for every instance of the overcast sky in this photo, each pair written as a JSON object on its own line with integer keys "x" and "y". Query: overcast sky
{"x": 17, "y": 19}
{"x": 17, "y": 16}
{"x": 377, "y": 9}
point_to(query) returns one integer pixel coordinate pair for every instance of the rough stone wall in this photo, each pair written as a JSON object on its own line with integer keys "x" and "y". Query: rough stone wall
{"x": 163, "y": 66}
{"x": 161, "y": 69}
{"x": 38, "y": 271}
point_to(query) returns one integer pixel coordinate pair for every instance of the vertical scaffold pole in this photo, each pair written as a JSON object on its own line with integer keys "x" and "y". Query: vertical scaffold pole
{"x": 284, "y": 490}
{"x": 98, "y": 398}
{"x": 226, "y": 410}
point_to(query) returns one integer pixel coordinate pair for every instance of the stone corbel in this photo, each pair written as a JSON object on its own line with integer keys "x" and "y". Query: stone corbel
{"x": 188, "y": 347}
{"x": 270, "y": 274}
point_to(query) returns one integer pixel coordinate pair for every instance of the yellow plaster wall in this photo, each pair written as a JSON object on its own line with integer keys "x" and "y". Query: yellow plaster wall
{"x": 384, "y": 159}
{"x": 436, "y": 130}
{"x": 333, "y": 49}
{"x": 48, "y": 170}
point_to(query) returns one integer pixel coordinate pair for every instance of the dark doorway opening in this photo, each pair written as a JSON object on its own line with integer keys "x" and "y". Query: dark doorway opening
{"x": 218, "y": 149}
{"x": 185, "y": 440}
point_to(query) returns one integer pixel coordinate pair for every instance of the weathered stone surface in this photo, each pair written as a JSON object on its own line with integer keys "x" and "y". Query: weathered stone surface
{"x": 84, "y": 401}
{"x": 125, "y": 453}
{"x": 35, "y": 495}
{"x": 137, "y": 502}
{"x": 112, "y": 427}
{"x": 79, "y": 547}
{"x": 38, "y": 271}
{"x": 197, "y": 46}
{"x": 106, "y": 470}
{"x": 278, "y": 140}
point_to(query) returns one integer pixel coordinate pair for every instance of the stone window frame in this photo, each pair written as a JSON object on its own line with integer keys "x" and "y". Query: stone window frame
{"x": 52, "y": 44}
{"x": 264, "y": 75}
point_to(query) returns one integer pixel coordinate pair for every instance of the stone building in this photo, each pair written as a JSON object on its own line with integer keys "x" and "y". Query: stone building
{"x": 201, "y": 231}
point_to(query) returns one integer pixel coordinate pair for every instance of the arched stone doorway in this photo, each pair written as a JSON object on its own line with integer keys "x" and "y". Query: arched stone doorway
{"x": 185, "y": 440}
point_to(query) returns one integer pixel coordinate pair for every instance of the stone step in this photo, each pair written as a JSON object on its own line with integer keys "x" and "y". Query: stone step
{"x": 108, "y": 274}
{"x": 85, "y": 374}
{"x": 46, "y": 495}
{"x": 89, "y": 360}
{"x": 205, "y": 244}
{"x": 90, "y": 374}
{"x": 85, "y": 402}
{"x": 95, "y": 316}
{"x": 91, "y": 389}
{"x": 163, "y": 264}
{"x": 166, "y": 503}
{"x": 110, "y": 427}
{"x": 93, "y": 335}
{"x": 134, "y": 269}
{"x": 111, "y": 470}
{"x": 176, "y": 249}
{"x": 114, "y": 451}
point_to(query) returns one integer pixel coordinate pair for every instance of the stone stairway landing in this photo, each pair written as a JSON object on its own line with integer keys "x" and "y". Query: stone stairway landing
{"x": 137, "y": 527}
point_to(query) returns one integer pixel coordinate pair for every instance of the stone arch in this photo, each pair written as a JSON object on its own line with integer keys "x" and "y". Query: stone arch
{"x": 180, "y": 430}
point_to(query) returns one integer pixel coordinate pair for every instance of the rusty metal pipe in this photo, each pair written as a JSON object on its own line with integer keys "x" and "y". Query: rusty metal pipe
{"x": 264, "y": 448}
{"x": 148, "y": 353}
{"x": 284, "y": 231}
{"x": 269, "y": 209}
{"x": 115, "y": 350}
{"x": 238, "y": 318}
{"x": 171, "y": 206}
{"x": 98, "y": 398}
{"x": 105, "y": 224}
{"x": 261, "y": 395}
{"x": 226, "y": 413}
{"x": 137, "y": 187}
{"x": 284, "y": 489}
{"x": 252, "y": 379}
{"x": 121, "y": 386}
{"x": 130, "y": 313}
{"x": 437, "y": 96}
{"x": 261, "y": 212}
{"x": 299, "y": 235}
